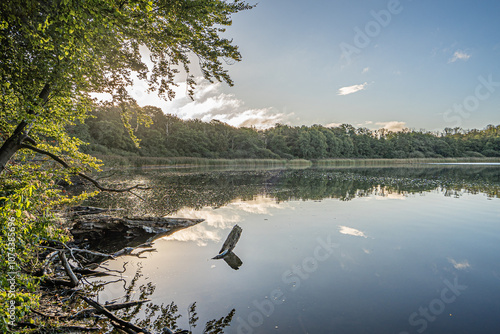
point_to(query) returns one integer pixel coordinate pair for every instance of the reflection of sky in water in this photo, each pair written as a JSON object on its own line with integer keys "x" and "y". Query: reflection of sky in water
{"x": 393, "y": 257}
{"x": 219, "y": 221}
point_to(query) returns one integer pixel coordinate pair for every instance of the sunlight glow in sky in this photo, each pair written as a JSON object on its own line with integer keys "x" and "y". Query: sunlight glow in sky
{"x": 369, "y": 63}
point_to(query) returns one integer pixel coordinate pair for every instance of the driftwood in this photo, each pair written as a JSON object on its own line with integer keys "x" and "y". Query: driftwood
{"x": 226, "y": 252}
{"x": 118, "y": 236}
{"x": 230, "y": 242}
{"x": 73, "y": 280}
{"x": 95, "y": 257}
{"x": 114, "y": 233}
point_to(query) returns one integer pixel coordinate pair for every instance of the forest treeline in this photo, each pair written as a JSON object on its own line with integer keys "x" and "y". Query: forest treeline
{"x": 170, "y": 136}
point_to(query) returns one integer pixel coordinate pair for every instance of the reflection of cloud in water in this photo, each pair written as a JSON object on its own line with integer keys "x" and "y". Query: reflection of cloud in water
{"x": 260, "y": 205}
{"x": 217, "y": 220}
{"x": 197, "y": 233}
{"x": 460, "y": 265}
{"x": 388, "y": 196}
{"x": 351, "y": 231}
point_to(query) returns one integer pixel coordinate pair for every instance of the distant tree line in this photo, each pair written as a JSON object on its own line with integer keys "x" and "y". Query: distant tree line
{"x": 170, "y": 136}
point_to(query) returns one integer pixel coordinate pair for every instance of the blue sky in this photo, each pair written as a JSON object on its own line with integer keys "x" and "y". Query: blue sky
{"x": 407, "y": 63}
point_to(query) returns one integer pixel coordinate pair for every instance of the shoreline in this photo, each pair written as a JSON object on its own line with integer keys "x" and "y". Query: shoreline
{"x": 191, "y": 162}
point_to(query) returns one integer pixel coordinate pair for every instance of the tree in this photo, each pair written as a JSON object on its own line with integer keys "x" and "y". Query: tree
{"x": 54, "y": 53}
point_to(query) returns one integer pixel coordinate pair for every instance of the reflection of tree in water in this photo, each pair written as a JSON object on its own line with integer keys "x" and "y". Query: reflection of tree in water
{"x": 171, "y": 192}
{"x": 153, "y": 316}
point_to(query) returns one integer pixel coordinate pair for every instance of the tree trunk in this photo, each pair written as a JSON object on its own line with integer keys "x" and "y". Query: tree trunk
{"x": 13, "y": 143}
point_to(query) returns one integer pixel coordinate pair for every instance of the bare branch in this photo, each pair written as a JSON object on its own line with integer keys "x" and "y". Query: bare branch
{"x": 117, "y": 322}
{"x": 69, "y": 271}
{"x": 82, "y": 175}
{"x": 89, "y": 311}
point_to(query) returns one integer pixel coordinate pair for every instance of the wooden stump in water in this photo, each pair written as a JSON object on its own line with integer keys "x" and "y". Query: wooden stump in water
{"x": 230, "y": 242}
{"x": 226, "y": 251}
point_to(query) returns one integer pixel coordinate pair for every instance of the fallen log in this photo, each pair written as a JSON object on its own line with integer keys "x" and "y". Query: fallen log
{"x": 114, "y": 233}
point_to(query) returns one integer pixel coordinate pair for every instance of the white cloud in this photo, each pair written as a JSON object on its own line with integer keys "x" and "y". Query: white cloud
{"x": 365, "y": 70}
{"x": 352, "y": 89}
{"x": 209, "y": 103}
{"x": 394, "y": 126}
{"x": 459, "y": 55}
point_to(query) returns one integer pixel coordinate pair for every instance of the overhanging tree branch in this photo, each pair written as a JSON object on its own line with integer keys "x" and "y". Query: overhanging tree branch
{"x": 82, "y": 175}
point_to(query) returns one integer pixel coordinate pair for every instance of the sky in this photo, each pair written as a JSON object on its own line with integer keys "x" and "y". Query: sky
{"x": 420, "y": 64}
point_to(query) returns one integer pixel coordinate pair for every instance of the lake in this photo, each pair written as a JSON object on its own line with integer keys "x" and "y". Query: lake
{"x": 358, "y": 250}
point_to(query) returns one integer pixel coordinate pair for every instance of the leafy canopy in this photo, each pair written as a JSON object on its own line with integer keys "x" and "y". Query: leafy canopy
{"x": 53, "y": 54}
{"x": 75, "y": 47}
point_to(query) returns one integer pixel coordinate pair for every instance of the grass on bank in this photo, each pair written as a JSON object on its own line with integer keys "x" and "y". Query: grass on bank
{"x": 137, "y": 161}
{"x": 392, "y": 162}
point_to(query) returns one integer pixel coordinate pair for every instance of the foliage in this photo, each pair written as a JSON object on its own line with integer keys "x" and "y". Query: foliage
{"x": 169, "y": 136}
{"x": 53, "y": 55}
{"x": 28, "y": 197}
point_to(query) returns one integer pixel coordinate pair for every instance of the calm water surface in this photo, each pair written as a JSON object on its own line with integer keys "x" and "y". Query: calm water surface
{"x": 388, "y": 250}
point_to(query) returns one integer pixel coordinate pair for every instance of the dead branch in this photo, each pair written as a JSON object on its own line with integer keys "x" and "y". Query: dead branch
{"x": 114, "y": 270}
{"x": 82, "y": 175}
{"x": 48, "y": 259}
{"x": 78, "y": 250}
{"x": 90, "y": 311}
{"x": 117, "y": 322}
{"x": 69, "y": 271}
